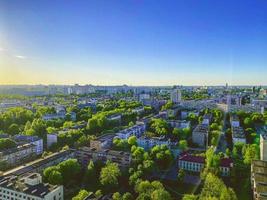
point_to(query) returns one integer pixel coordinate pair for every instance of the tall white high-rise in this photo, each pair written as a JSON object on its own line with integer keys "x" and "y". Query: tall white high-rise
{"x": 176, "y": 96}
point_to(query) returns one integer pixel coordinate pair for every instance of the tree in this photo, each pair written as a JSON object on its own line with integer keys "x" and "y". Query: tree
{"x": 181, "y": 175}
{"x": 189, "y": 197}
{"x": 127, "y": 196}
{"x": 132, "y": 140}
{"x": 162, "y": 156}
{"x": 81, "y": 195}
{"x": 91, "y": 172}
{"x": 13, "y": 129}
{"x": 116, "y": 196}
{"x": 69, "y": 169}
{"x": 6, "y": 143}
{"x": 55, "y": 178}
{"x": 109, "y": 174}
{"x": 251, "y": 152}
{"x": 183, "y": 145}
{"x": 159, "y": 126}
{"x": 160, "y": 194}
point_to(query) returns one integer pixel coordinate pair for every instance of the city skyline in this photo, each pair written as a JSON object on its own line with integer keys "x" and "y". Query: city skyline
{"x": 133, "y": 42}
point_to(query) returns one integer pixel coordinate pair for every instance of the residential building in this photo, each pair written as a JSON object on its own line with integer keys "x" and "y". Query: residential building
{"x": 234, "y": 120}
{"x": 238, "y": 135}
{"x": 207, "y": 119}
{"x": 179, "y": 123}
{"x": 139, "y": 110}
{"x": 200, "y": 135}
{"x": 115, "y": 117}
{"x": 86, "y": 154}
{"x": 102, "y": 142}
{"x": 40, "y": 164}
{"x": 259, "y": 179}
{"x": 35, "y": 140}
{"x": 263, "y": 147}
{"x": 51, "y": 139}
{"x": 17, "y": 155}
{"x": 195, "y": 163}
{"x": 150, "y": 142}
{"x": 136, "y": 130}
{"x": 176, "y": 96}
{"x": 28, "y": 187}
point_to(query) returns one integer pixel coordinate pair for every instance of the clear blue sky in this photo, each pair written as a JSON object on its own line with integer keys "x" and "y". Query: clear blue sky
{"x": 137, "y": 42}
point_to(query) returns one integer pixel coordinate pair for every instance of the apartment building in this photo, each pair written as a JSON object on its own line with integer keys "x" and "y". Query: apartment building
{"x": 28, "y": 187}
{"x": 259, "y": 179}
{"x": 200, "y": 135}
{"x": 234, "y": 120}
{"x": 86, "y": 154}
{"x": 238, "y": 135}
{"x": 35, "y": 140}
{"x": 179, "y": 123}
{"x": 102, "y": 142}
{"x": 263, "y": 147}
{"x": 17, "y": 155}
{"x": 194, "y": 163}
{"x": 136, "y": 130}
{"x": 150, "y": 142}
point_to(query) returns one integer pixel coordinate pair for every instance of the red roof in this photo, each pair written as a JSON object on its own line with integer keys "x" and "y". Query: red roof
{"x": 225, "y": 162}
{"x": 190, "y": 158}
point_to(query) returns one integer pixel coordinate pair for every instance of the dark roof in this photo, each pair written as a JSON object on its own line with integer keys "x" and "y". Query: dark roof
{"x": 191, "y": 158}
{"x": 226, "y": 162}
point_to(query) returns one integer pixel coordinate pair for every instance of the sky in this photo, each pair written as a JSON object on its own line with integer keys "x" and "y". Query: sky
{"x": 134, "y": 42}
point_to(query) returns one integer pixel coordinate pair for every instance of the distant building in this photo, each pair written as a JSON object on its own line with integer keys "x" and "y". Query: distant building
{"x": 238, "y": 135}
{"x": 259, "y": 179}
{"x": 28, "y": 187}
{"x": 176, "y": 96}
{"x": 115, "y": 117}
{"x": 51, "y": 139}
{"x": 150, "y": 142}
{"x": 86, "y": 154}
{"x": 179, "y": 123}
{"x": 102, "y": 142}
{"x": 263, "y": 147}
{"x": 139, "y": 110}
{"x": 234, "y": 120}
{"x": 207, "y": 119}
{"x": 35, "y": 140}
{"x": 200, "y": 135}
{"x": 136, "y": 130}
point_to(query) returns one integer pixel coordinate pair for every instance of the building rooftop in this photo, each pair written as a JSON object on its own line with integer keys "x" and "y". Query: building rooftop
{"x": 106, "y": 151}
{"x": 191, "y": 158}
{"x": 238, "y": 132}
{"x": 17, "y": 149}
{"x": 20, "y": 184}
{"x": 202, "y": 128}
{"x": 264, "y": 136}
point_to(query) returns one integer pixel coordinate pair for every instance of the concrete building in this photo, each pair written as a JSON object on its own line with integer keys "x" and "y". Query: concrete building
{"x": 136, "y": 130}
{"x": 150, "y": 142}
{"x": 28, "y": 187}
{"x": 86, "y": 154}
{"x": 200, "y": 135}
{"x": 238, "y": 135}
{"x": 194, "y": 163}
{"x": 263, "y": 147}
{"x": 176, "y": 96}
{"x": 51, "y": 139}
{"x": 40, "y": 164}
{"x": 207, "y": 119}
{"x": 35, "y": 140}
{"x": 234, "y": 120}
{"x": 18, "y": 155}
{"x": 102, "y": 142}
{"x": 259, "y": 179}
{"x": 179, "y": 123}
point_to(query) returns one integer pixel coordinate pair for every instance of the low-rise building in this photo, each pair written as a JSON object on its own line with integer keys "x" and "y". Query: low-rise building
{"x": 200, "y": 135}
{"x": 51, "y": 139}
{"x": 194, "y": 163}
{"x": 150, "y": 142}
{"x": 17, "y": 155}
{"x": 207, "y": 119}
{"x": 86, "y": 154}
{"x": 28, "y": 187}
{"x": 259, "y": 179}
{"x": 238, "y": 135}
{"x": 179, "y": 123}
{"x": 102, "y": 142}
{"x": 234, "y": 120}
{"x": 35, "y": 140}
{"x": 139, "y": 110}
{"x": 136, "y": 130}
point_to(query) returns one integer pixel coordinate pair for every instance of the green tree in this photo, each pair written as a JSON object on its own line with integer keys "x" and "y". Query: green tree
{"x": 183, "y": 145}
{"x": 109, "y": 174}
{"x": 81, "y": 195}
{"x": 132, "y": 140}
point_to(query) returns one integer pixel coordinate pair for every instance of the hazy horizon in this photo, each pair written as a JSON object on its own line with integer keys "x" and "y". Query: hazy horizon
{"x": 139, "y": 43}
